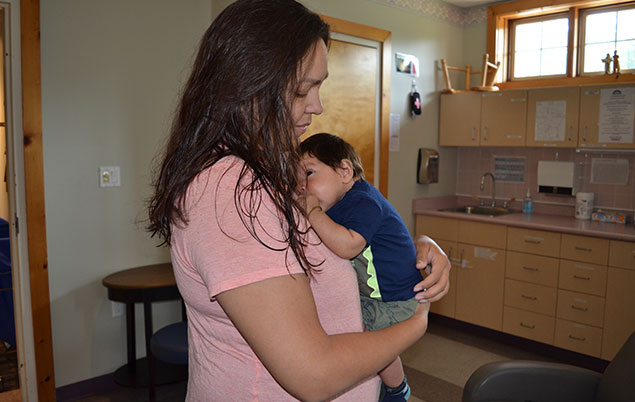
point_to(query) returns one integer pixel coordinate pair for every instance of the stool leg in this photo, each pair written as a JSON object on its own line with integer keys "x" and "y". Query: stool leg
{"x": 131, "y": 346}
{"x": 147, "y": 312}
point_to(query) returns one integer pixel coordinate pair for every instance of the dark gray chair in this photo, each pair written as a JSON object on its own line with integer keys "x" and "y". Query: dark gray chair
{"x": 533, "y": 381}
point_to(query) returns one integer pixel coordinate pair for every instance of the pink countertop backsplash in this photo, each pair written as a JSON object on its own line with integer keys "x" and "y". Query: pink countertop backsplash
{"x": 548, "y": 217}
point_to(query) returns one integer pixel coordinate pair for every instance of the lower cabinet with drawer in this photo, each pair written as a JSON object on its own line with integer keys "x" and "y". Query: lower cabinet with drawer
{"x": 619, "y": 317}
{"x": 574, "y": 292}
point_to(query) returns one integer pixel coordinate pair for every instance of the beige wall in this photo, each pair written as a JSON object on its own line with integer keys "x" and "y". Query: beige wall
{"x": 111, "y": 72}
{"x": 430, "y": 39}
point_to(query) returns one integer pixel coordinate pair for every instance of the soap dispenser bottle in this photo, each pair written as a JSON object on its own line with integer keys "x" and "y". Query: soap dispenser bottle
{"x": 528, "y": 204}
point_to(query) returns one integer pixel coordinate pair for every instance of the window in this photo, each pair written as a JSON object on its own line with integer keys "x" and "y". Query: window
{"x": 561, "y": 42}
{"x": 604, "y": 32}
{"x": 540, "y": 47}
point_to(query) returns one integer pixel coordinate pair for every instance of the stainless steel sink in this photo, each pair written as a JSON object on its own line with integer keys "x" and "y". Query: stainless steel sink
{"x": 479, "y": 210}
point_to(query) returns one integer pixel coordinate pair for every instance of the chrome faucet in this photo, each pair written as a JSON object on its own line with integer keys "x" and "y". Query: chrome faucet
{"x": 493, "y": 186}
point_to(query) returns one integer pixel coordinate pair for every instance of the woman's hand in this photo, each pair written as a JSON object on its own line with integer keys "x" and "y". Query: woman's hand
{"x": 437, "y": 282}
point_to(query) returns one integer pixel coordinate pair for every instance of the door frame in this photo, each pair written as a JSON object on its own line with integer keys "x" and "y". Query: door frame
{"x": 34, "y": 224}
{"x": 385, "y": 40}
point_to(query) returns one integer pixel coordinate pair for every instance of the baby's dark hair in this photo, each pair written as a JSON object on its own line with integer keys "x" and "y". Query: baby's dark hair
{"x": 331, "y": 150}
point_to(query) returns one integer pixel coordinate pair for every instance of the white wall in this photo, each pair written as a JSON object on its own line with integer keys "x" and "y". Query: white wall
{"x": 110, "y": 76}
{"x": 111, "y": 71}
{"x": 430, "y": 39}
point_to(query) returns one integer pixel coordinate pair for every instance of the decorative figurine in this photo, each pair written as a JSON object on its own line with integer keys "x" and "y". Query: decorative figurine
{"x": 616, "y": 63}
{"x": 607, "y": 63}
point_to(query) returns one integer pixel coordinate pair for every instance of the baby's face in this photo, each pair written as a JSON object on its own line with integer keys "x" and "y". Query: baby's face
{"x": 324, "y": 182}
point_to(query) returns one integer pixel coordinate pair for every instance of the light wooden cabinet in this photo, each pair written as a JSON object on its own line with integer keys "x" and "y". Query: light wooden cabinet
{"x": 531, "y": 283}
{"x": 445, "y": 232}
{"x": 480, "y": 286}
{"x": 481, "y": 274}
{"x": 622, "y": 254}
{"x": 477, "y": 275}
{"x": 574, "y": 292}
{"x": 447, "y": 305}
{"x": 590, "y": 105}
{"x": 483, "y": 118}
{"x": 566, "y": 117}
{"x": 532, "y": 268}
{"x": 503, "y": 117}
{"x": 552, "y": 117}
{"x": 538, "y": 242}
{"x": 619, "y": 316}
{"x": 460, "y": 119}
{"x": 585, "y": 248}
{"x": 527, "y": 324}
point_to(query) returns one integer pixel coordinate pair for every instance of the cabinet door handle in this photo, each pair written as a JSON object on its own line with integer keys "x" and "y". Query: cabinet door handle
{"x": 585, "y": 278}
{"x": 528, "y": 297}
{"x": 577, "y": 338}
{"x": 570, "y": 128}
{"x": 522, "y": 324}
{"x": 583, "y": 249}
{"x": 532, "y": 241}
{"x": 530, "y": 268}
{"x": 473, "y": 133}
{"x": 484, "y": 133}
{"x": 573, "y": 306}
{"x": 584, "y": 134}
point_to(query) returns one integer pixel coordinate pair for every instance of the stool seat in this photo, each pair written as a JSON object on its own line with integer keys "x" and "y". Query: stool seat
{"x": 169, "y": 344}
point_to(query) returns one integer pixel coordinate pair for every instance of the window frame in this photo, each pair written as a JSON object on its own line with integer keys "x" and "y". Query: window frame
{"x": 512, "y": 36}
{"x": 498, "y": 41}
{"x": 590, "y": 11}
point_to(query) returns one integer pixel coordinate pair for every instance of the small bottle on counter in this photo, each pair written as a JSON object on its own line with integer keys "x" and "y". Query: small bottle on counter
{"x": 528, "y": 204}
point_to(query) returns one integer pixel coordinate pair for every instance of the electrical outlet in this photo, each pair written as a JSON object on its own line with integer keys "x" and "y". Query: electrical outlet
{"x": 109, "y": 176}
{"x": 117, "y": 308}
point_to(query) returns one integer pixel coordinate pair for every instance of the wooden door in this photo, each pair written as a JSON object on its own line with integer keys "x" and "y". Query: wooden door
{"x": 349, "y": 97}
{"x": 589, "y": 136}
{"x": 503, "y": 117}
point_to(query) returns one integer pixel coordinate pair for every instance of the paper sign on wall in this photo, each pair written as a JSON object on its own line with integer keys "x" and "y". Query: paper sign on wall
{"x": 394, "y": 131}
{"x": 550, "y": 120}
{"x": 617, "y": 111}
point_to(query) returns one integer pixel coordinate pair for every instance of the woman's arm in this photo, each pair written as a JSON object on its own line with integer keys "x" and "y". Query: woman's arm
{"x": 278, "y": 318}
{"x": 437, "y": 282}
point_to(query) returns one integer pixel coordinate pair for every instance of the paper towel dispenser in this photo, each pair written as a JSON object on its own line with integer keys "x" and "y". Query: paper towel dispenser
{"x": 556, "y": 177}
{"x": 427, "y": 166}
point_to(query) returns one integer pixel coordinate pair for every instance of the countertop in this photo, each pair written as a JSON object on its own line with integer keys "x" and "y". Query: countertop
{"x": 564, "y": 223}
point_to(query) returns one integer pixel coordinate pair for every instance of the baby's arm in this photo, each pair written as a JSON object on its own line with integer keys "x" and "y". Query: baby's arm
{"x": 346, "y": 243}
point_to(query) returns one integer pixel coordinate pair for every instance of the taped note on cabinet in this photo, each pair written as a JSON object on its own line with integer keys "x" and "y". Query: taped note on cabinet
{"x": 485, "y": 253}
{"x": 550, "y": 120}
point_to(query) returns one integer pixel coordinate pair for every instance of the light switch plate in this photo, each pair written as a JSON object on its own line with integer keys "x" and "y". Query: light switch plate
{"x": 109, "y": 176}
{"x": 117, "y": 308}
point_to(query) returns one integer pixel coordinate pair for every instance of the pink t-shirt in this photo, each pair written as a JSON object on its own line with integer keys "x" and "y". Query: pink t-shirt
{"x": 209, "y": 259}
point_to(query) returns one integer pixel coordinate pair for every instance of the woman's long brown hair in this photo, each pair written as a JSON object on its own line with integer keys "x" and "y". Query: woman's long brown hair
{"x": 237, "y": 102}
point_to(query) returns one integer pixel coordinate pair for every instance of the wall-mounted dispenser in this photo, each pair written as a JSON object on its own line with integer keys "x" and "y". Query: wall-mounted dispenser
{"x": 427, "y": 166}
{"x": 555, "y": 177}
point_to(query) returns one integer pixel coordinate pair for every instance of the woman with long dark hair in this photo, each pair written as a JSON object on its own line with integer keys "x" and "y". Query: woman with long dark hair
{"x": 273, "y": 315}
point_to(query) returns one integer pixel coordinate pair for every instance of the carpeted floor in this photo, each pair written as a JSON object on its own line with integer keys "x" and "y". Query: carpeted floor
{"x": 437, "y": 366}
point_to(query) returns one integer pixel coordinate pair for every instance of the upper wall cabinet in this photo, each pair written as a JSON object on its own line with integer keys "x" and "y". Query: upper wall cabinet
{"x": 606, "y": 117}
{"x": 503, "y": 116}
{"x": 483, "y": 118}
{"x": 460, "y": 119}
{"x": 552, "y": 117}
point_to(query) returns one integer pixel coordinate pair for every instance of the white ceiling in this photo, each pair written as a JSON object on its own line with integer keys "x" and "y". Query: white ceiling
{"x": 470, "y": 3}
